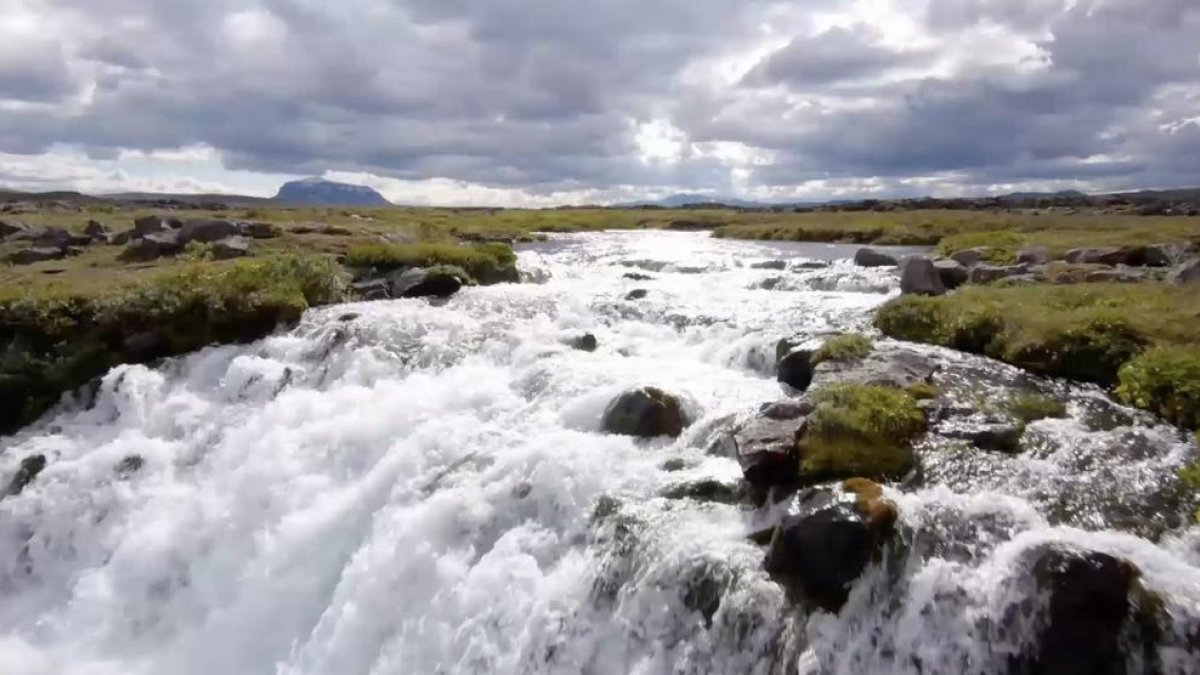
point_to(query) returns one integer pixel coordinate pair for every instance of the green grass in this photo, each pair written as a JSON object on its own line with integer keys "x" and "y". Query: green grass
{"x": 843, "y": 347}
{"x": 55, "y": 340}
{"x": 486, "y": 263}
{"x": 860, "y": 431}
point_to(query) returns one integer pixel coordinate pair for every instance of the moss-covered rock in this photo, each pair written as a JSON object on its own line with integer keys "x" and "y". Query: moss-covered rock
{"x": 860, "y": 431}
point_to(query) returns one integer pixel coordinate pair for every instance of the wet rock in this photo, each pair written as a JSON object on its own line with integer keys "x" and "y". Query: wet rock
{"x": 795, "y": 369}
{"x": 952, "y": 273}
{"x": 770, "y": 265}
{"x": 143, "y": 346}
{"x": 348, "y": 317}
{"x": 674, "y": 464}
{"x": 586, "y": 342}
{"x": 152, "y": 247}
{"x": 983, "y": 274}
{"x": 766, "y": 449}
{"x": 129, "y": 466}
{"x": 230, "y": 247}
{"x": 706, "y": 490}
{"x": 637, "y": 294}
{"x": 869, "y": 257}
{"x": 1033, "y": 255}
{"x": 1090, "y": 623}
{"x": 811, "y": 265}
{"x": 372, "y": 289}
{"x": 29, "y": 256}
{"x": 207, "y": 231}
{"x": 970, "y": 257}
{"x": 636, "y": 276}
{"x": 259, "y": 230}
{"x": 29, "y": 469}
{"x": 991, "y": 436}
{"x": 919, "y": 276}
{"x": 646, "y": 412}
{"x": 1111, "y": 256}
{"x": 702, "y": 590}
{"x": 422, "y": 283}
{"x": 1187, "y": 273}
{"x": 818, "y": 557}
{"x": 896, "y": 367}
{"x": 770, "y": 284}
{"x": 788, "y": 409}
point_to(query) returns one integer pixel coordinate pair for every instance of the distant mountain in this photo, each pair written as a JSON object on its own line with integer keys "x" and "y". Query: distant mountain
{"x": 1064, "y": 194}
{"x": 319, "y": 192}
{"x": 190, "y": 198}
{"x": 677, "y": 201}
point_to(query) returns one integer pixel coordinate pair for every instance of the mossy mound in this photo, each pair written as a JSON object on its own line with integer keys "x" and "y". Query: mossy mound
{"x": 860, "y": 431}
{"x": 486, "y": 263}
{"x": 843, "y": 348}
{"x": 1165, "y": 381}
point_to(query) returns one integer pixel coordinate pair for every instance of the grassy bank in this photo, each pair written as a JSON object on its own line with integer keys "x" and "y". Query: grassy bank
{"x": 1140, "y": 339}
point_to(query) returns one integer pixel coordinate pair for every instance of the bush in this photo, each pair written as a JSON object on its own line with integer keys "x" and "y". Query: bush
{"x": 1029, "y": 408}
{"x": 1165, "y": 381}
{"x": 913, "y": 318}
{"x": 486, "y": 263}
{"x": 55, "y": 341}
{"x": 860, "y": 431}
{"x": 843, "y": 347}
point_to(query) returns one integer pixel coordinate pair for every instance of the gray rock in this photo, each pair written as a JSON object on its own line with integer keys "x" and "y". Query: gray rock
{"x": 896, "y": 367}
{"x": 121, "y": 238}
{"x": 983, "y": 274}
{"x": 787, "y": 409}
{"x": 207, "y": 231}
{"x": 1019, "y": 280}
{"x": 96, "y": 230}
{"x": 259, "y": 230}
{"x": 767, "y": 451}
{"x": 152, "y": 247}
{"x": 1187, "y": 273}
{"x": 646, "y": 412}
{"x": 1033, "y": 255}
{"x": 869, "y": 257}
{"x": 952, "y": 273}
{"x": 970, "y": 257}
{"x": 586, "y": 342}
{"x": 811, "y": 265}
{"x": 230, "y": 247}
{"x": 770, "y": 265}
{"x": 152, "y": 225}
{"x": 8, "y": 229}
{"x": 372, "y": 289}
{"x": 29, "y": 256}
{"x": 706, "y": 490}
{"x": 637, "y": 294}
{"x": 1098, "y": 256}
{"x": 423, "y": 283}
{"x": 919, "y": 276}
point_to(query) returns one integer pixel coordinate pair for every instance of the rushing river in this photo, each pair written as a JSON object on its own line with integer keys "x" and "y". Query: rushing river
{"x": 408, "y": 488}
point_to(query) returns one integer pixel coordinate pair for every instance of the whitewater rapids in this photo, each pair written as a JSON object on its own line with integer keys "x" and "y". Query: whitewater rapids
{"x": 407, "y": 488}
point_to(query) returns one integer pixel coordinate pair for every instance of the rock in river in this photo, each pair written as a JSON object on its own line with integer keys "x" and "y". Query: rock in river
{"x": 645, "y": 412}
{"x": 869, "y": 257}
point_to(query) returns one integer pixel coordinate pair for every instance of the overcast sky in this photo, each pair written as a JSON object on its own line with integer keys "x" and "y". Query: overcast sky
{"x": 536, "y": 102}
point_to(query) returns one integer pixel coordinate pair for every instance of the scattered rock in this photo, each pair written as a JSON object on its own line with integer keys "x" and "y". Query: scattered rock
{"x": 152, "y": 247}
{"x": 869, "y": 257}
{"x": 952, "y": 273}
{"x": 919, "y": 276}
{"x": 586, "y": 342}
{"x": 637, "y": 294}
{"x": 259, "y": 230}
{"x": 1111, "y": 256}
{"x": 230, "y": 247}
{"x": 674, "y": 464}
{"x": 795, "y": 369}
{"x": 970, "y": 257}
{"x": 29, "y": 469}
{"x": 1158, "y": 255}
{"x": 770, "y": 265}
{"x": 646, "y": 412}
{"x": 983, "y": 274}
{"x": 421, "y": 283}
{"x": 706, "y": 490}
{"x": 1187, "y": 273}
{"x": 1033, "y": 255}
{"x": 30, "y": 256}
{"x": 207, "y": 231}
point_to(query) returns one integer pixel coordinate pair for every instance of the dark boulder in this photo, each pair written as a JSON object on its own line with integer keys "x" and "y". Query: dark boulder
{"x": 706, "y": 490}
{"x": 230, "y": 247}
{"x": 646, "y": 412}
{"x": 637, "y": 294}
{"x": 795, "y": 369}
{"x": 637, "y": 276}
{"x": 919, "y": 276}
{"x": 7, "y": 229}
{"x": 96, "y": 231}
{"x": 372, "y": 289}
{"x": 129, "y": 466}
{"x": 152, "y": 225}
{"x": 818, "y": 557}
{"x": 1111, "y": 256}
{"x": 1033, "y": 255}
{"x": 29, "y": 256}
{"x": 812, "y": 265}
{"x": 970, "y": 257}
{"x": 953, "y": 274}
{"x": 1187, "y": 273}
{"x": 207, "y": 231}
{"x": 144, "y": 346}
{"x": 57, "y": 237}
{"x": 121, "y": 238}
{"x": 152, "y": 247}
{"x": 259, "y": 230}
{"x": 869, "y": 257}
{"x": 766, "y": 449}
{"x": 423, "y": 283}
{"x": 29, "y": 469}
{"x": 586, "y": 342}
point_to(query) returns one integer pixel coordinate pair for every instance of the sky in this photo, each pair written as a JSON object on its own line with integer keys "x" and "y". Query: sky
{"x": 545, "y": 102}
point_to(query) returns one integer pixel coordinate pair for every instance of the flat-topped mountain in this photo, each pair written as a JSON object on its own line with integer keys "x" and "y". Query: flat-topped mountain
{"x": 320, "y": 192}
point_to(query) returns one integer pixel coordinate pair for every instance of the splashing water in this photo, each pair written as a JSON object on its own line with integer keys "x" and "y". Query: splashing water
{"x": 398, "y": 487}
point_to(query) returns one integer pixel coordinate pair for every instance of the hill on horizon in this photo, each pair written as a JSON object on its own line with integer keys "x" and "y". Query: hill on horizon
{"x": 321, "y": 192}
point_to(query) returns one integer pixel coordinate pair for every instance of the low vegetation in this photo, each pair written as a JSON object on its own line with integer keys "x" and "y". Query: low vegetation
{"x": 56, "y": 339}
{"x": 1140, "y": 336}
{"x": 843, "y": 347}
{"x": 485, "y": 263}
{"x": 861, "y": 431}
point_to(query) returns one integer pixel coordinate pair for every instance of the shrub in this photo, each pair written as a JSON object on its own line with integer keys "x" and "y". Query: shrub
{"x": 486, "y": 263}
{"x": 843, "y": 347}
{"x": 913, "y": 318}
{"x": 1165, "y": 381}
{"x": 860, "y": 431}
{"x": 1030, "y": 408}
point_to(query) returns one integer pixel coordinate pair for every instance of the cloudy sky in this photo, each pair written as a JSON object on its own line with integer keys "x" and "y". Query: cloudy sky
{"x": 536, "y": 102}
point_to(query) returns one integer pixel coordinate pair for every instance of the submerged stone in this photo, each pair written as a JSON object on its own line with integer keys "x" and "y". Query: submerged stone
{"x": 29, "y": 469}
{"x": 646, "y": 412}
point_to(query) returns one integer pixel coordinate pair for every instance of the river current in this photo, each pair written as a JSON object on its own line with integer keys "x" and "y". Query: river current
{"x": 406, "y": 487}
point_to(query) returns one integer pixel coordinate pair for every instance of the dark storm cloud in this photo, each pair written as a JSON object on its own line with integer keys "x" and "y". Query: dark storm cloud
{"x": 545, "y": 95}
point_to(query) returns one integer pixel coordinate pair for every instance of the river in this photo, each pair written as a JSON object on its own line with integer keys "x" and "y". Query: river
{"x": 406, "y": 488}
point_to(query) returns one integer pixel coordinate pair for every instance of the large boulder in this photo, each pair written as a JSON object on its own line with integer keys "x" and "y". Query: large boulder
{"x": 8, "y": 229}
{"x": 256, "y": 230}
{"x": 230, "y": 247}
{"x": 152, "y": 225}
{"x": 1159, "y": 255}
{"x": 645, "y": 412}
{"x": 970, "y": 257}
{"x": 1098, "y": 256}
{"x": 952, "y": 273}
{"x": 207, "y": 231}
{"x": 96, "y": 231}
{"x": 794, "y": 368}
{"x": 1033, "y": 255}
{"x": 919, "y": 276}
{"x": 423, "y": 283}
{"x": 152, "y": 247}
{"x": 766, "y": 448}
{"x": 869, "y": 257}
{"x": 29, "y": 469}
{"x": 1187, "y": 273}
{"x": 29, "y": 256}
{"x": 896, "y": 367}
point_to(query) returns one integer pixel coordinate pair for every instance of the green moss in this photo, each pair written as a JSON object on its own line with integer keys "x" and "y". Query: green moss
{"x": 843, "y": 347}
{"x": 440, "y": 271}
{"x": 55, "y": 340}
{"x": 860, "y": 431}
{"x": 1165, "y": 381}
{"x": 923, "y": 391}
{"x": 1001, "y": 245}
{"x": 1030, "y": 408}
{"x": 1190, "y": 475}
{"x": 486, "y": 263}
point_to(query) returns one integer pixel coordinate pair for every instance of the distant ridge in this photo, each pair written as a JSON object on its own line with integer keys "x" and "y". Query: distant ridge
{"x": 320, "y": 192}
